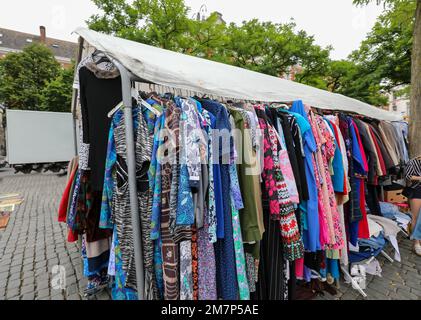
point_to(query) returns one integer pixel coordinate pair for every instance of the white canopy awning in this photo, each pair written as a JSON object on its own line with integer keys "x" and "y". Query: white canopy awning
{"x": 186, "y": 72}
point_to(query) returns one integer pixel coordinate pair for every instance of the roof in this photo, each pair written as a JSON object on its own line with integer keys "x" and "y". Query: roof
{"x": 176, "y": 70}
{"x": 16, "y": 41}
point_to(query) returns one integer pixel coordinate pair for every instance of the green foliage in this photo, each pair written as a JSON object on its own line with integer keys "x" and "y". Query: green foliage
{"x": 378, "y": 2}
{"x": 161, "y": 23}
{"x": 382, "y": 62}
{"x": 386, "y": 52}
{"x": 273, "y": 48}
{"x": 206, "y": 39}
{"x": 24, "y": 74}
{"x": 345, "y": 77}
{"x": 57, "y": 94}
{"x": 265, "y": 47}
{"x": 24, "y": 77}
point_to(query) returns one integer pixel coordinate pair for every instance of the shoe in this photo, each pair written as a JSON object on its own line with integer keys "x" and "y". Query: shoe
{"x": 330, "y": 289}
{"x": 417, "y": 249}
{"x": 96, "y": 284}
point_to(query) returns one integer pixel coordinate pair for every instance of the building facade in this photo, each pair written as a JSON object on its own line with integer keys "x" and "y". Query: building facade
{"x": 398, "y": 103}
{"x": 15, "y": 41}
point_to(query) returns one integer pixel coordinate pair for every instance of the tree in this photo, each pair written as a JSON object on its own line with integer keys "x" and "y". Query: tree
{"x": 207, "y": 38}
{"x": 24, "y": 74}
{"x": 265, "y": 47}
{"x": 386, "y": 51}
{"x": 34, "y": 80}
{"x": 57, "y": 94}
{"x": 274, "y": 48}
{"x": 346, "y": 77}
{"x": 397, "y": 71}
{"x": 160, "y": 23}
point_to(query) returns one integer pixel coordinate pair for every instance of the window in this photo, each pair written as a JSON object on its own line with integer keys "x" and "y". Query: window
{"x": 395, "y": 107}
{"x": 55, "y": 46}
{"x": 29, "y": 40}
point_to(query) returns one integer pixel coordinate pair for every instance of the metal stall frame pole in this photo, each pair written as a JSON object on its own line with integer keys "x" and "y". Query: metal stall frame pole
{"x": 74, "y": 96}
{"x": 126, "y": 81}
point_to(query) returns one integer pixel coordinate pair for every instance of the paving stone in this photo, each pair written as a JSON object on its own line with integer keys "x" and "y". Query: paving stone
{"x": 28, "y": 296}
{"x": 71, "y": 279}
{"x": 28, "y": 267}
{"x": 39, "y": 264}
{"x": 417, "y": 292}
{"x": 381, "y": 288}
{"x": 57, "y": 297}
{"x": 71, "y": 289}
{"x": 28, "y": 274}
{"x": 73, "y": 297}
{"x": 7, "y": 256}
{"x": 14, "y": 276}
{"x": 12, "y": 293}
{"x": 52, "y": 262}
{"x": 44, "y": 293}
{"x": 13, "y": 284}
{"x": 15, "y": 270}
{"x": 18, "y": 256}
{"x": 28, "y": 281}
{"x": 16, "y": 263}
{"x": 3, "y": 278}
{"x": 39, "y": 258}
{"x": 373, "y": 294}
{"x": 413, "y": 275}
{"x": 407, "y": 295}
{"x": 4, "y": 268}
{"x": 4, "y": 281}
{"x": 27, "y": 289}
{"x": 28, "y": 261}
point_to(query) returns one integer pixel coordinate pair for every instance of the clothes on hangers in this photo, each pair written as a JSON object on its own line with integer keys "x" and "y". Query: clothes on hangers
{"x": 236, "y": 200}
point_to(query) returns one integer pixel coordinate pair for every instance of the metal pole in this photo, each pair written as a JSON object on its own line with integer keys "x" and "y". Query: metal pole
{"x": 74, "y": 96}
{"x": 126, "y": 79}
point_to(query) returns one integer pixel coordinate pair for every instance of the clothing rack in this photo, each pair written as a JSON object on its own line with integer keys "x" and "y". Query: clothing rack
{"x": 127, "y": 80}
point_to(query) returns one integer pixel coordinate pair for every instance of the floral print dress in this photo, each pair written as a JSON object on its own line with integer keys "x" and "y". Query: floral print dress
{"x": 280, "y": 206}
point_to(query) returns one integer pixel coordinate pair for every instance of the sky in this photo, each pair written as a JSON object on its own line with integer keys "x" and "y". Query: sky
{"x": 332, "y": 22}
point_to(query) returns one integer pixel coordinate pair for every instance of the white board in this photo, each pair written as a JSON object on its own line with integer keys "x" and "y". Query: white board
{"x": 39, "y": 137}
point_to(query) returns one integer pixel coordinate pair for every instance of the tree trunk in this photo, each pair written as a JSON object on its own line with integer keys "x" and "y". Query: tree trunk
{"x": 415, "y": 111}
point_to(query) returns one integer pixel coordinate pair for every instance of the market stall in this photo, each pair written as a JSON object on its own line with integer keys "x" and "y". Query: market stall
{"x": 188, "y": 76}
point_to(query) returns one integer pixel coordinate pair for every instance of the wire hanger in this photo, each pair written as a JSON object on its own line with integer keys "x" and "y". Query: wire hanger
{"x": 103, "y": 57}
{"x": 279, "y": 105}
{"x": 115, "y": 109}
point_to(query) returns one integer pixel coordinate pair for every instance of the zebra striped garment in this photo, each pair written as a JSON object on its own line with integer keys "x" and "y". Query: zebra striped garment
{"x": 413, "y": 169}
{"x": 121, "y": 202}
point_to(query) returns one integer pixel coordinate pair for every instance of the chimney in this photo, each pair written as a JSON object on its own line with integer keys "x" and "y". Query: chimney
{"x": 43, "y": 34}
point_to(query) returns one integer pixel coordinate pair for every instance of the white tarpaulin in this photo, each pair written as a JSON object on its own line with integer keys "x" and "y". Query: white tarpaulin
{"x": 172, "y": 69}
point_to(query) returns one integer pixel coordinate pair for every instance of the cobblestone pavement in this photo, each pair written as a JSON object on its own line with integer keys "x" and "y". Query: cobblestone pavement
{"x": 399, "y": 281}
{"x": 34, "y": 242}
